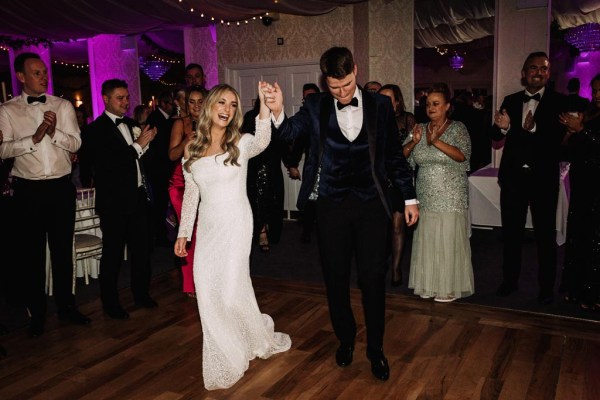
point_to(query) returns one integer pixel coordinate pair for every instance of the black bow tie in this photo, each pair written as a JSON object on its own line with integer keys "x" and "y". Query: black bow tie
{"x": 119, "y": 121}
{"x": 353, "y": 102}
{"x": 31, "y": 99}
{"x": 527, "y": 97}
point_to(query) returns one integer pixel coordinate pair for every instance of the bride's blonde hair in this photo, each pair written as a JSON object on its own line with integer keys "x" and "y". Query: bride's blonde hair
{"x": 203, "y": 140}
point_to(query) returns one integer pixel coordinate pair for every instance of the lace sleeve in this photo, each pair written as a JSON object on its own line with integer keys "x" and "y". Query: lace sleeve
{"x": 260, "y": 140}
{"x": 189, "y": 208}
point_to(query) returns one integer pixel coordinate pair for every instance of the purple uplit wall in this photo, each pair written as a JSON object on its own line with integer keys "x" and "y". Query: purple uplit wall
{"x": 200, "y": 45}
{"x": 586, "y": 66}
{"x": 113, "y": 56}
{"x": 44, "y": 55}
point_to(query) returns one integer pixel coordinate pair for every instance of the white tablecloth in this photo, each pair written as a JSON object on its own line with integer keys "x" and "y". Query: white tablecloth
{"x": 484, "y": 201}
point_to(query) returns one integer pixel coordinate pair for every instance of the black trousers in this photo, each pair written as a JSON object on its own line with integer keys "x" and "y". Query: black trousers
{"x": 358, "y": 228}
{"x": 120, "y": 228}
{"x": 46, "y": 213}
{"x": 525, "y": 189}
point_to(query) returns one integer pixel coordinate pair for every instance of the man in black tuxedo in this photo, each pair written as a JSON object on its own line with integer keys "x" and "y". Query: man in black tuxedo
{"x": 116, "y": 146}
{"x": 158, "y": 166}
{"x": 529, "y": 173}
{"x": 354, "y": 155}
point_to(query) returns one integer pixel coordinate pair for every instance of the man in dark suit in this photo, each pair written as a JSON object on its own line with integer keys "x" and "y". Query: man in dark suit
{"x": 116, "y": 146}
{"x": 529, "y": 173}
{"x": 159, "y": 167}
{"x": 354, "y": 155}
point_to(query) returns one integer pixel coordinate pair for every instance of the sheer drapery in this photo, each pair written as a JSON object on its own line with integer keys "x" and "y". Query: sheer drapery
{"x": 68, "y": 19}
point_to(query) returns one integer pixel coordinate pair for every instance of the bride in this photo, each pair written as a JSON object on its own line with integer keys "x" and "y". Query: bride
{"x": 215, "y": 165}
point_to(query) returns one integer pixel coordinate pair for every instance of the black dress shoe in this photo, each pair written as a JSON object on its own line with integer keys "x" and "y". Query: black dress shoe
{"x": 74, "y": 316}
{"x": 36, "y": 328}
{"x": 505, "y": 289}
{"x": 146, "y": 303}
{"x": 343, "y": 355}
{"x": 116, "y": 313}
{"x": 379, "y": 365}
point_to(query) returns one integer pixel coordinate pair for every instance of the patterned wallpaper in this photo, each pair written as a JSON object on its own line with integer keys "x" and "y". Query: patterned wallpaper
{"x": 378, "y": 32}
{"x": 305, "y": 39}
{"x": 200, "y": 48}
{"x": 391, "y": 45}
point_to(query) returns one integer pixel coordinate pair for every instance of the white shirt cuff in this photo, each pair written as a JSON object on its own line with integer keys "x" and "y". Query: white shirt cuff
{"x": 411, "y": 202}
{"x": 277, "y": 121}
{"x": 138, "y": 149}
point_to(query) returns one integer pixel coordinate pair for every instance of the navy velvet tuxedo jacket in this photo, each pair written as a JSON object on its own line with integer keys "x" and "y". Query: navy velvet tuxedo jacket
{"x": 539, "y": 150}
{"x": 113, "y": 164}
{"x": 387, "y": 163}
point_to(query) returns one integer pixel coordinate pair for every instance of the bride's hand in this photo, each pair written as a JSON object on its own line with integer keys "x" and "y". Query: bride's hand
{"x": 180, "y": 247}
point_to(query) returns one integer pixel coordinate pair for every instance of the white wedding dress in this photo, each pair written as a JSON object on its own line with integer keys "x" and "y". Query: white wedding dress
{"x": 234, "y": 330}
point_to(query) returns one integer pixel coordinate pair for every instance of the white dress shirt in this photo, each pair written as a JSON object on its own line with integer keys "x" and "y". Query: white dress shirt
{"x": 124, "y": 129}
{"x": 51, "y": 157}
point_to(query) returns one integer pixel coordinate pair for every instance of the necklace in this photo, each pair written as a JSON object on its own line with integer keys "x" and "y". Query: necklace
{"x": 431, "y": 129}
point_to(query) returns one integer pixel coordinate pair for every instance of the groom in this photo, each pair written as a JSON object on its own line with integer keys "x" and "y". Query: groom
{"x": 354, "y": 155}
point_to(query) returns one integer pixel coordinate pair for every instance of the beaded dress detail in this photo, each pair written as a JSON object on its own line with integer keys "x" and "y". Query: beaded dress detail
{"x": 234, "y": 330}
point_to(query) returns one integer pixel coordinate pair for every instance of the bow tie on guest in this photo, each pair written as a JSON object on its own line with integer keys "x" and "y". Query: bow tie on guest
{"x": 353, "y": 102}
{"x": 119, "y": 121}
{"x": 31, "y": 99}
{"x": 527, "y": 97}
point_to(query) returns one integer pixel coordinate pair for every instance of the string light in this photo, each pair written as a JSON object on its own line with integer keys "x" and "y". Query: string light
{"x": 72, "y": 65}
{"x": 171, "y": 61}
{"x": 223, "y": 21}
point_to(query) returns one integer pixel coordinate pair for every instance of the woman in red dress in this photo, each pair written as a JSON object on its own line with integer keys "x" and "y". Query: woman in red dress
{"x": 183, "y": 131}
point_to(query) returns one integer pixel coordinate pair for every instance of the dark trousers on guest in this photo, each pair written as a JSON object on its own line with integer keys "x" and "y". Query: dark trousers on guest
{"x": 524, "y": 189}
{"x": 121, "y": 227}
{"x": 358, "y": 228}
{"x": 46, "y": 213}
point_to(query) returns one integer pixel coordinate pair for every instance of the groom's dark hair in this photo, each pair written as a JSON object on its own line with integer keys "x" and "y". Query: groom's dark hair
{"x": 111, "y": 84}
{"x": 337, "y": 62}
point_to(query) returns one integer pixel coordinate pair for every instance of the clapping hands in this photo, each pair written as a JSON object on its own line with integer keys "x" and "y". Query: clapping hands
{"x": 501, "y": 119}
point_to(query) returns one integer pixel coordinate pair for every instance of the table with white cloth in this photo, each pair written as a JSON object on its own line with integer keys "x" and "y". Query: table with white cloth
{"x": 484, "y": 201}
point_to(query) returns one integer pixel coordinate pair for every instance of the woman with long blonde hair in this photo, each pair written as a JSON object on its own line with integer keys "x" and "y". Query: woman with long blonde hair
{"x": 215, "y": 166}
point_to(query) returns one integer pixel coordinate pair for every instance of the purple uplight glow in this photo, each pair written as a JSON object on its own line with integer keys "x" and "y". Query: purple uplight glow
{"x": 111, "y": 56}
{"x": 585, "y": 69}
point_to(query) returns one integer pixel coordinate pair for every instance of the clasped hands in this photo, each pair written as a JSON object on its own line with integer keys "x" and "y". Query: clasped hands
{"x": 502, "y": 120}
{"x": 417, "y": 134}
{"x": 47, "y": 127}
{"x": 148, "y": 134}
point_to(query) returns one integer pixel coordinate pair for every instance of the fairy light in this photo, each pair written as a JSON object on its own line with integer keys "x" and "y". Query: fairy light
{"x": 223, "y": 21}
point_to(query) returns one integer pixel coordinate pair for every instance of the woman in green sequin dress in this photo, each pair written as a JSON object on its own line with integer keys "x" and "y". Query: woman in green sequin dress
{"x": 441, "y": 253}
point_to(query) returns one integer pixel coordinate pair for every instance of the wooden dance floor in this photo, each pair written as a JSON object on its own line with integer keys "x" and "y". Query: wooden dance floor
{"x": 435, "y": 351}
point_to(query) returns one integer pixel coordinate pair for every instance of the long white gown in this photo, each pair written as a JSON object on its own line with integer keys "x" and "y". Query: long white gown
{"x": 234, "y": 330}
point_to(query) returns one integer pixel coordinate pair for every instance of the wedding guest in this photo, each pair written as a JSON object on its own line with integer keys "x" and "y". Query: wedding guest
{"x": 159, "y": 167}
{"x": 233, "y": 329}
{"x": 117, "y": 145}
{"x": 372, "y": 86}
{"x": 40, "y": 132}
{"x": 182, "y": 133}
{"x": 581, "y": 274}
{"x": 406, "y": 122}
{"x": 265, "y": 187}
{"x": 440, "y": 265}
{"x": 301, "y": 146}
{"x": 576, "y": 103}
{"x": 194, "y": 75}
{"x": 140, "y": 114}
{"x": 529, "y": 173}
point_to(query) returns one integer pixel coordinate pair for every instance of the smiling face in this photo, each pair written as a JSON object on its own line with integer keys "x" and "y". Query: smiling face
{"x": 34, "y": 77}
{"x": 536, "y": 73}
{"x": 194, "y": 104}
{"x": 117, "y": 102}
{"x": 224, "y": 109}
{"x": 437, "y": 107}
{"x": 343, "y": 89}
